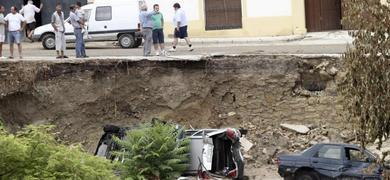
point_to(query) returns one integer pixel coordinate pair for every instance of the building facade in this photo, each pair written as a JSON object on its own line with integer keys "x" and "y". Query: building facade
{"x": 254, "y": 18}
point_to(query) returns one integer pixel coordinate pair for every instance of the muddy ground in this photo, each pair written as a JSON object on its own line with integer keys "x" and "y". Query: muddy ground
{"x": 256, "y": 92}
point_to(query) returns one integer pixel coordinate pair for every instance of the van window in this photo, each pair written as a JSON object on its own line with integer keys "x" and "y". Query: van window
{"x": 103, "y": 13}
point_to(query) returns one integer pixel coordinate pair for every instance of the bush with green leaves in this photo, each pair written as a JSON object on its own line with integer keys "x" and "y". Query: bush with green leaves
{"x": 367, "y": 86}
{"x": 154, "y": 152}
{"x": 33, "y": 153}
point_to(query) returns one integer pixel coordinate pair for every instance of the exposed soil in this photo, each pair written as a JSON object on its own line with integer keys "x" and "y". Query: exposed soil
{"x": 253, "y": 92}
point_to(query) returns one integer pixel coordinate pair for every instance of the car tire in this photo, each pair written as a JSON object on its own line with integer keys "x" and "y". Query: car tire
{"x": 126, "y": 41}
{"x": 49, "y": 41}
{"x": 307, "y": 175}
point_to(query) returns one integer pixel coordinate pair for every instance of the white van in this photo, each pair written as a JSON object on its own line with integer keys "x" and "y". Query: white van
{"x": 108, "y": 20}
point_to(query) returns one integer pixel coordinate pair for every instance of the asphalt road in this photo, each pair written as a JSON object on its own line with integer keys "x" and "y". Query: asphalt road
{"x": 108, "y": 49}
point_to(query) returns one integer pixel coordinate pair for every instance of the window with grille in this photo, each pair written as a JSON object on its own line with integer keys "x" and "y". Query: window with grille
{"x": 223, "y": 14}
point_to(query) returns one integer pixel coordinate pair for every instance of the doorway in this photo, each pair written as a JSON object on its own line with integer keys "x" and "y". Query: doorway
{"x": 38, "y": 16}
{"x": 323, "y": 15}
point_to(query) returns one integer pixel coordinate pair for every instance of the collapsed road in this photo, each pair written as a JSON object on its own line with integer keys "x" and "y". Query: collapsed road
{"x": 255, "y": 92}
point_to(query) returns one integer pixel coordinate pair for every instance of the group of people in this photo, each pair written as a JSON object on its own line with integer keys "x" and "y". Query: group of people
{"x": 152, "y": 25}
{"x": 77, "y": 19}
{"x": 16, "y": 22}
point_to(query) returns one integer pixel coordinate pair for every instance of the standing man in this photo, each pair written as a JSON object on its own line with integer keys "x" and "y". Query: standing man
{"x": 158, "y": 32}
{"x": 181, "y": 26}
{"x": 16, "y": 24}
{"x": 147, "y": 28}
{"x": 2, "y": 30}
{"x": 77, "y": 24}
{"x": 28, "y": 11}
{"x": 57, "y": 21}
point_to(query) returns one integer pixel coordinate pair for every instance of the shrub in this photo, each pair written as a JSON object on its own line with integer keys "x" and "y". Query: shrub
{"x": 367, "y": 84}
{"x": 34, "y": 154}
{"x": 154, "y": 152}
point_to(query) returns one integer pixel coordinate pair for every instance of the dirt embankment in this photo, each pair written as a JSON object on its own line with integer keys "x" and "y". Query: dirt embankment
{"x": 254, "y": 92}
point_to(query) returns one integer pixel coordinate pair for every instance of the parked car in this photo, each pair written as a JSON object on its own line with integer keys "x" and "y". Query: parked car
{"x": 107, "y": 21}
{"x": 213, "y": 152}
{"x": 330, "y": 161}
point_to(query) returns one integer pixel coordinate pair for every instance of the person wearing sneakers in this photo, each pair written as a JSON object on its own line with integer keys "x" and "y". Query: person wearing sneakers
{"x": 158, "y": 32}
{"x": 57, "y": 21}
{"x": 16, "y": 24}
{"x": 2, "y": 30}
{"x": 181, "y": 26}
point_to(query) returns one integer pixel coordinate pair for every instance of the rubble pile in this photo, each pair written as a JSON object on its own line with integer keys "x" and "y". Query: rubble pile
{"x": 289, "y": 138}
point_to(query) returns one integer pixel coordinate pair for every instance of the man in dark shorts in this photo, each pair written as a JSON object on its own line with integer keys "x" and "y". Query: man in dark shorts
{"x": 28, "y": 11}
{"x": 158, "y": 32}
{"x": 181, "y": 27}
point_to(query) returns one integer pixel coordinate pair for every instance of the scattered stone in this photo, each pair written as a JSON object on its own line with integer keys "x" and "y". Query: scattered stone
{"x": 231, "y": 113}
{"x": 246, "y": 144}
{"x": 301, "y": 129}
{"x": 333, "y": 71}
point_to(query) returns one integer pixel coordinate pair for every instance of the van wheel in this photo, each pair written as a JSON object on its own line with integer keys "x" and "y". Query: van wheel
{"x": 127, "y": 41}
{"x": 49, "y": 41}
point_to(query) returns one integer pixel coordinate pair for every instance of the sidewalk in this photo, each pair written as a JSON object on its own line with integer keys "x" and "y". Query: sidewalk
{"x": 315, "y": 38}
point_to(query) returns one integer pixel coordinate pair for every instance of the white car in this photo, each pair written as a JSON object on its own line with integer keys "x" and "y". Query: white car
{"x": 106, "y": 21}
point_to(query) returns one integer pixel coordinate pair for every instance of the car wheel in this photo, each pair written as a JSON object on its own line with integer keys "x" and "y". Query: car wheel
{"x": 307, "y": 175}
{"x": 126, "y": 41}
{"x": 49, "y": 41}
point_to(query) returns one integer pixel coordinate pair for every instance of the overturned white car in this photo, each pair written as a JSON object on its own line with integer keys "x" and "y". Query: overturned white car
{"x": 213, "y": 152}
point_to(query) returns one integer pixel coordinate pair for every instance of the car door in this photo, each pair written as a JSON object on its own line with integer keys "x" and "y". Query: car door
{"x": 328, "y": 160}
{"x": 356, "y": 160}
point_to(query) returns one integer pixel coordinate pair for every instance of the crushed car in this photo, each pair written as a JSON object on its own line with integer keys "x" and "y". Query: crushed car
{"x": 330, "y": 161}
{"x": 214, "y": 153}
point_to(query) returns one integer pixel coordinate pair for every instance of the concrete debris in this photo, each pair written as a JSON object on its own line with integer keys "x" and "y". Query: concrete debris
{"x": 301, "y": 129}
{"x": 231, "y": 113}
{"x": 246, "y": 144}
{"x": 333, "y": 71}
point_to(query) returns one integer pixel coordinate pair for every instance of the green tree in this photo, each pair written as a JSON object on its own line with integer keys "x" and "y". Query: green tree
{"x": 154, "y": 152}
{"x": 35, "y": 154}
{"x": 367, "y": 85}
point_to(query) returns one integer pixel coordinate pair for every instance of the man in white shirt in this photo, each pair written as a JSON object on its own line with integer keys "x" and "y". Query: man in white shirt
{"x": 15, "y": 23}
{"x": 28, "y": 11}
{"x": 2, "y": 30}
{"x": 181, "y": 26}
{"x": 57, "y": 21}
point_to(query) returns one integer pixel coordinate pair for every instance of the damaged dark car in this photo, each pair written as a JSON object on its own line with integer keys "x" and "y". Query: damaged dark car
{"x": 330, "y": 161}
{"x": 214, "y": 153}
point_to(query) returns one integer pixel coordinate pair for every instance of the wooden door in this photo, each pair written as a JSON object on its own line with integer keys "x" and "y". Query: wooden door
{"x": 323, "y": 15}
{"x": 223, "y": 14}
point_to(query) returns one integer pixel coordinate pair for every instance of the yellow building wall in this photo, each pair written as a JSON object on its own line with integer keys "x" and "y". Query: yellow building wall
{"x": 251, "y": 27}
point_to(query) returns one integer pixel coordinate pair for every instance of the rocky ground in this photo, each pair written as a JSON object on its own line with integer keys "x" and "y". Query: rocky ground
{"x": 255, "y": 92}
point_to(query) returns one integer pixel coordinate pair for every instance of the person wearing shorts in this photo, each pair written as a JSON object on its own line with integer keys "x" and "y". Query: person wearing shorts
{"x": 181, "y": 24}
{"x": 29, "y": 11}
{"x": 2, "y": 30}
{"x": 16, "y": 24}
{"x": 158, "y": 32}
